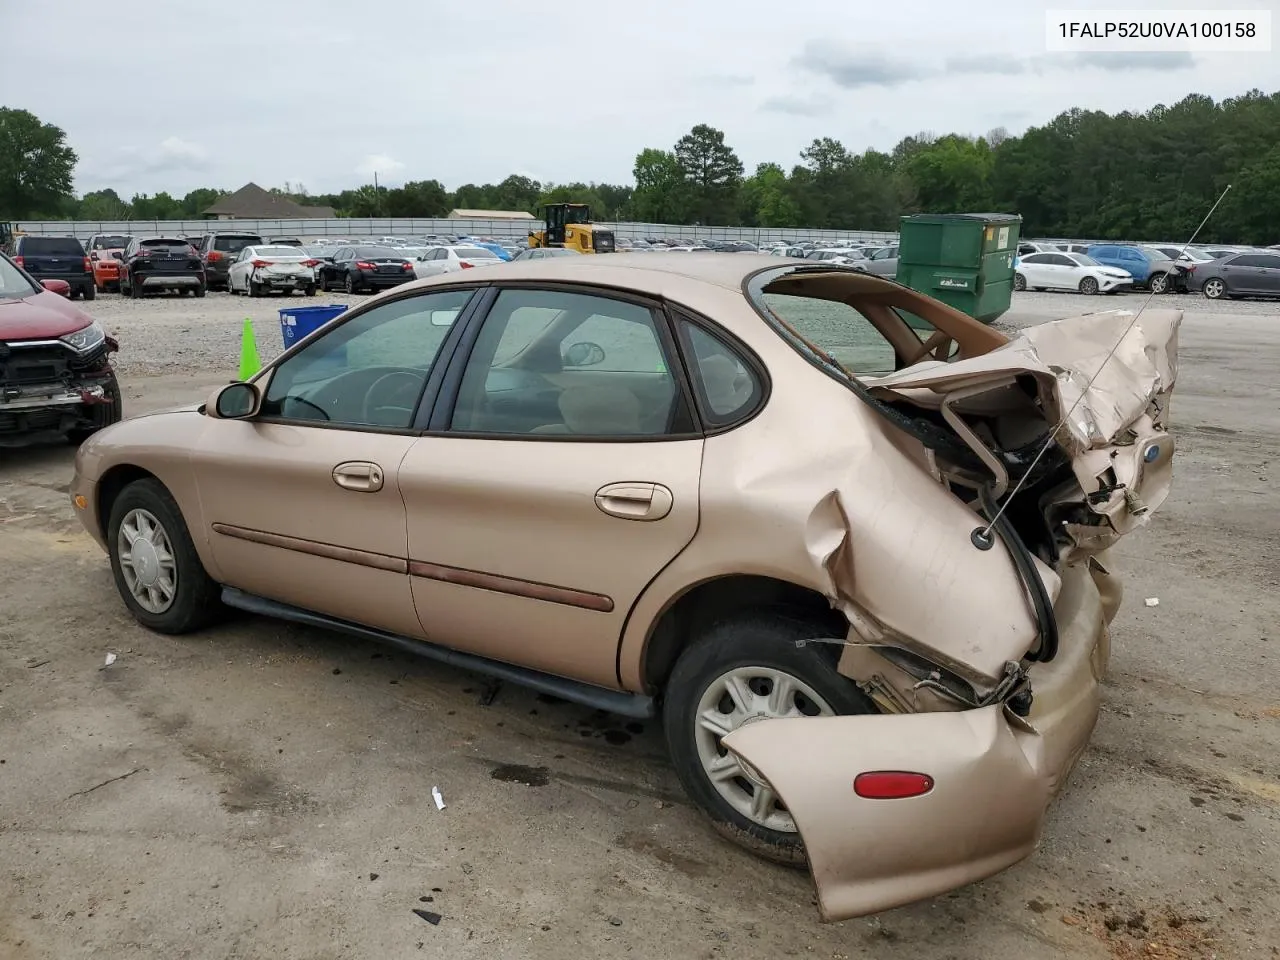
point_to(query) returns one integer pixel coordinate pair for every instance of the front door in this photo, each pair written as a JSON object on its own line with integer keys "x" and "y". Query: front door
{"x": 302, "y": 504}
{"x": 559, "y": 477}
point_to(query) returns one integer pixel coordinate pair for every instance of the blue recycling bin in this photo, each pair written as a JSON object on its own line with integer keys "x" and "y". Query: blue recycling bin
{"x": 298, "y": 322}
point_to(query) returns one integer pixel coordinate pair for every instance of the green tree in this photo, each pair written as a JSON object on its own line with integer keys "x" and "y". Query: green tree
{"x": 36, "y": 165}
{"x": 658, "y": 196}
{"x": 419, "y": 198}
{"x": 712, "y": 171}
{"x": 103, "y": 205}
{"x": 160, "y": 207}
{"x": 196, "y": 202}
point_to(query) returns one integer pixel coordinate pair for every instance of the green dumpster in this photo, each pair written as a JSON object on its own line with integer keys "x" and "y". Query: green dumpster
{"x": 963, "y": 259}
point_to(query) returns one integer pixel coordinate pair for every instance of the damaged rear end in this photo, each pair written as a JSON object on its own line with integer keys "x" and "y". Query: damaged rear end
{"x": 977, "y": 592}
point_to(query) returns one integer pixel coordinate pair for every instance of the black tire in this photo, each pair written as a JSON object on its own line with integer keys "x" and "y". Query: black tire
{"x": 1019, "y": 282}
{"x": 349, "y": 285}
{"x": 1089, "y": 287}
{"x": 135, "y": 288}
{"x": 765, "y": 638}
{"x": 324, "y": 282}
{"x": 196, "y": 602}
{"x": 89, "y": 292}
{"x": 255, "y": 289}
{"x": 198, "y": 291}
{"x": 1158, "y": 283}
{"x": 104, "y": 414}
{"x": 309, "y": 290}
{"x": 1215, "y": 288}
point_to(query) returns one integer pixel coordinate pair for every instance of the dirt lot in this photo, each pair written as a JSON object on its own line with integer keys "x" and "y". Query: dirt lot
{"x": 263, "y": 790}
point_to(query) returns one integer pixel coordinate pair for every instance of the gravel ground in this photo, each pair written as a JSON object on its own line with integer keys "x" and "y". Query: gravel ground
{"x": 262, "y": 790}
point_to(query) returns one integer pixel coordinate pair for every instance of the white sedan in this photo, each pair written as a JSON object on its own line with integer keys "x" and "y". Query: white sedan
{"x": 259, "y": 270}
{"x": 1068, "y": 271}
{"x": 448, "y": 259}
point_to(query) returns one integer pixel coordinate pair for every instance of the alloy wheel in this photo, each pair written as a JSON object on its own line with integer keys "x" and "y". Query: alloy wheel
{"x": 734, "y": 699}
{"x": 147, "y": 561}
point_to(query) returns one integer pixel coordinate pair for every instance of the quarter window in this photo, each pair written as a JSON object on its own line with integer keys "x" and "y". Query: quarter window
{"x": 568, "y": 364}
{"x": 726, "y": 386}
{"x": 370, "y": 370}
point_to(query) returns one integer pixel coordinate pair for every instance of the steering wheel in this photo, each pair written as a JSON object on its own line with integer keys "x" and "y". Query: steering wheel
{"x": 368, "y": 406}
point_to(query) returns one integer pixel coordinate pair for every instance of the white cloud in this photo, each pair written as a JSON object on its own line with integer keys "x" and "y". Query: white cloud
{"x": 378, "y": 163}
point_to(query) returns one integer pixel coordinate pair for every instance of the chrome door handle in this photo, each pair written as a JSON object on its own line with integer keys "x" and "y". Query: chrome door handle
{"x": 635, "y": 501}
{"x": 360, "y": 476}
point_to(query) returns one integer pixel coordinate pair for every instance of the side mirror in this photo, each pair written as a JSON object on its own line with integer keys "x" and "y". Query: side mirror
{"x": 235, "y": 401}
{"x": 60, "y": 287}
{"x": 583, "y": 354}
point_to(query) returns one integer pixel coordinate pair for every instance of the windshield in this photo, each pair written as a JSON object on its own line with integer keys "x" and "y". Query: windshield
{"x": 110, "y": 243}
{"x": 13, "y": 285}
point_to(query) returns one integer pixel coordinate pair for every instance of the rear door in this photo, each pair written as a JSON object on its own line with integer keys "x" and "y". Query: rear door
{"x": 1035, "y": 270}
{"x": 559, "y": 476}
{"x": 1269, "y": 274}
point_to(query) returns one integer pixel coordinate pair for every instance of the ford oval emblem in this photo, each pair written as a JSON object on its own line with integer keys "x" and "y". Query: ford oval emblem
{"x": 1152, "y": 453}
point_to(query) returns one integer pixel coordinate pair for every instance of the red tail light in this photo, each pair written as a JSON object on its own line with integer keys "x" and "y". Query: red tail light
{"x": 408, "y": 266}
{"x": 465, "y": 265}
{"x": 260, "y": 263}
{"x": 311, "y": 263}
{"x": 891, "y": 785}
{"x": 20, "y": 261}
{"x": 88, "y": 265}
{"x": 365, "y": 265}
{"x": 214, "y": 255}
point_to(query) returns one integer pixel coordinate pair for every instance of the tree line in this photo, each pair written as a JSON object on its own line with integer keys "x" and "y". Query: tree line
{"x": 1087, "y": 174}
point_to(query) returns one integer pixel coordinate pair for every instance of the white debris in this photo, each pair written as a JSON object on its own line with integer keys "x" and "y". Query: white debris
{"x": 435, "y": 795}
{"x": 111, "y": 658}
{"x": 1152, "y": 601}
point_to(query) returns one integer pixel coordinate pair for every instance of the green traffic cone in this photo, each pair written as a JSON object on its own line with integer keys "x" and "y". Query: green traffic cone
{"x": 249, "y": 362}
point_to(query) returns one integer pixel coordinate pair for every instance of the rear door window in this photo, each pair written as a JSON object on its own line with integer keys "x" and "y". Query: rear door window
{"x": 837, "y": 329}
{"x": 726, "y": 386}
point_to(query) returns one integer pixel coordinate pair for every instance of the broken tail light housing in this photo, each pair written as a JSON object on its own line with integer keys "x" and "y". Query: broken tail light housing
{"x": 891, "y": 784}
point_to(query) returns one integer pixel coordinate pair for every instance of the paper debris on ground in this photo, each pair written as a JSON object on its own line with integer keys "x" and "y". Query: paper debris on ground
{"x": 1152, "y": 601}
{"x": 435, "y": 795}
{"x": 111, "y": 658}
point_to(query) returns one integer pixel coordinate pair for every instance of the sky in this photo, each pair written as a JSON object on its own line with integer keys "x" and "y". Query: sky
{"x": 325, "y": 93}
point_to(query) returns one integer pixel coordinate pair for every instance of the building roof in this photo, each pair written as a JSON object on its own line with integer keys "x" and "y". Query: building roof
{"x": 491, "y": 215}
{"x": 251, "y": 202}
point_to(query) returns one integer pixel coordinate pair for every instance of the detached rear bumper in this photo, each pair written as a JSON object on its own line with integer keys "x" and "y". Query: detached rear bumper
{"x": 993, "y": 776}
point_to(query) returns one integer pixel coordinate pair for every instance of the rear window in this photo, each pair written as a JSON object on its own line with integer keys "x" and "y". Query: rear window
{"x": 377, "y": 252}
{"x": 235, "y": 244}
{"x": 51, "y": 247}
{"x": 476, "y": 253}
{"x": 110, "y": 243}
{"x": 278, "y": 252}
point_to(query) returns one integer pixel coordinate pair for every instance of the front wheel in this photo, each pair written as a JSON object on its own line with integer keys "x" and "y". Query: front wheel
{"x": 743, "y": 670}
{"x": 1089, "y": 287}
{"x": 103, "y": 414}
{"x": 1019, "y": 282}
{"x": 1215, "y": 289}
{"x": 154, "y": 561}
{"x": 1158, "y": 283}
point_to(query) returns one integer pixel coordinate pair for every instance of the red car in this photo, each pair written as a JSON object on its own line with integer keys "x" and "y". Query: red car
{"x": 56, "y": 377}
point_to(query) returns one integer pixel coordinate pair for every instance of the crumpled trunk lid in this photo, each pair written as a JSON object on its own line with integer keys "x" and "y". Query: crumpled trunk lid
{"x": 1102, "y": 390}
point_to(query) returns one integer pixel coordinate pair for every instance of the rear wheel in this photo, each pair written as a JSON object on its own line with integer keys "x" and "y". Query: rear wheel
{"x": 1089, "y": 286}
{"x": 156, "y": 568}
{"x": 309, "y": 290}
{"x": 198, "y": 291}
{"x": 1019, "y": 282}
{"x": 1214, "y": 288}
{"x": 324, "y": 283}
{"x": 745, "y": 669}
{"x": 135, "y": 288}
{"x": 89, "y": 292}
{"x": 255, "y": 289}
{"x": 1158, "y": 283}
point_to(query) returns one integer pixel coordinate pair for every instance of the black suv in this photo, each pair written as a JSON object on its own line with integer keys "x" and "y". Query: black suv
{"x": 55, "y": 258}
{"x": 159, "y": 264}
{"x": 219, "y": 251}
